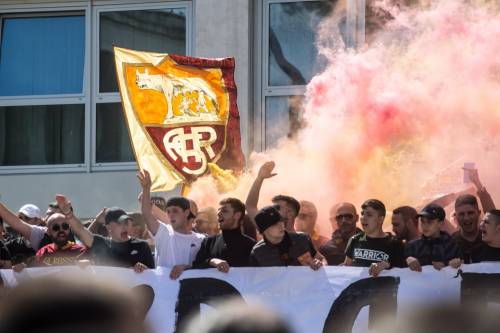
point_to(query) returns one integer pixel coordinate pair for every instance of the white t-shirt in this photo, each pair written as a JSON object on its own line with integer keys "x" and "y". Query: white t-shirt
{"x": 173, "y": 248}
{"x": 37, "y": 234}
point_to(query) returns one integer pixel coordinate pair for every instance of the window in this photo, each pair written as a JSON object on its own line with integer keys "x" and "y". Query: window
{"x": 60, "y": 109}
{"x": 42, "y": 60}
{"x": 157, "y": 30}
{"x": 290, "y": 60}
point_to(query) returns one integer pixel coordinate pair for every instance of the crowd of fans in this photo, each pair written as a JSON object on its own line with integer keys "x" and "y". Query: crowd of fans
{"x": 174, "y": 233}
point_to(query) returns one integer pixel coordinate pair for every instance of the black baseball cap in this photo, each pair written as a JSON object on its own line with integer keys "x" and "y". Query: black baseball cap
{"x": 267, "y": 217}
{"x": 433, "y": 211}
{"x": 116, "y": 214}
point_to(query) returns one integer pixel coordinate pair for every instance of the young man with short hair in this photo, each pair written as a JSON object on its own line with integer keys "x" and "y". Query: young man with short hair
{"x": 434, "y": 247}
{"x": 280, "y": 247}
{"x": 289, "y": 207}
{"x": 373, "y": 247}
{"x": 490, "y": 233}
{"x": 119, "y": 249}
{"x": 343, "y": 218}
{"x": 176, "y": 243}
{"x": 468, "y": 237}
{"x": 231, "y": 248}
{"x": 405, "y": 223}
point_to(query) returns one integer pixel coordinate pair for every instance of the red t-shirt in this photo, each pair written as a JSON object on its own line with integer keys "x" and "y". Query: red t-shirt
{"x": 49, "y": 255}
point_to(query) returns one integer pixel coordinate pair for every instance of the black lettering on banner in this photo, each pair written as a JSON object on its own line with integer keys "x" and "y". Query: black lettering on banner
{"x": 196, "y": 291}
{"x": 379, "y": 293}
{"x": 478, "y": 289}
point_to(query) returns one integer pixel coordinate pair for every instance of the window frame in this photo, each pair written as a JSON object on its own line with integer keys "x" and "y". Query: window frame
{"x": 90, "y": 95}
{"x": 58, "y": 99}
{"x": 114, "y": 97}
{"x": 355, "y": 36}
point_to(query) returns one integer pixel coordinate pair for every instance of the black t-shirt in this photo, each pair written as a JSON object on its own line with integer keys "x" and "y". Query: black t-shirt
{"x": 470, "y": 250}
{"x": 231, "y": 246}
{"x": 487, "y": 253}
{"x": 123, "y": 254}
{"x": 364, "y": 250}
{"x": 18, "y": 250}
{"x": 294, "y": 250}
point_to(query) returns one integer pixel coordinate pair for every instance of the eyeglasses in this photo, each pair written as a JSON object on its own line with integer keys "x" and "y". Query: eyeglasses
{"x": 344, "y": 216}
{"x": 57, "y": 227}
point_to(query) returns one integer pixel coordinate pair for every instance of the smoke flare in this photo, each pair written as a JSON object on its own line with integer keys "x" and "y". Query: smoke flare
{"x": 396, "y": 119}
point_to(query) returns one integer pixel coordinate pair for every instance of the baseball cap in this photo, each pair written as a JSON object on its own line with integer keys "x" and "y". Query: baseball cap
{"x": 181, "y": 202}
{"x": 433, "y": 211}
{"x": 116, "y": 214}
{"x": 267, "y": 217}
{"x": 31, "y": 211}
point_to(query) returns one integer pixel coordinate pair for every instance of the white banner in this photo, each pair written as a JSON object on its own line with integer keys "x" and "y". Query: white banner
{"x": 311, "y": 301}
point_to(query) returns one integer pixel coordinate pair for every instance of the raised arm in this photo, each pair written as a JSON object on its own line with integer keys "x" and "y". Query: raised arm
{"x": 151, "y": 222}
{"x": 265, "y": 171}
{"x": 98, "y": 221}
{"x": 76, "y": 225}
{"x": 485, "y": 198}
{"x": 15, "y": 222}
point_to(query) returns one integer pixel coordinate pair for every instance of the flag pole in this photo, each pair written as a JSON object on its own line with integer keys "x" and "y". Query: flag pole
{"x": 186, "y": 187}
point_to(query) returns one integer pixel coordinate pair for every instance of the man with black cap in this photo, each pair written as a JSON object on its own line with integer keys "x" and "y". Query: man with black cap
{"x": 231, "y": 248}
{"x": 119, "y": 249}
{"x": 280, "y": 247}
{"x": 176, "y": 243}
{"x": 434, "y": 247}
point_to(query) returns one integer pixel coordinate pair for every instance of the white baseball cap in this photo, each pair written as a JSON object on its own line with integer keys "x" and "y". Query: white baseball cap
{"x": 30, "y": 211}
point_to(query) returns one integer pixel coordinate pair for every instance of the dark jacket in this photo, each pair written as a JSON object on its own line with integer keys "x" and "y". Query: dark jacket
{"x": 231, "y": 246}
{"x": 334, "y": 249}
{"x": 426, "y": 250}
{"x": 294, "y": 248}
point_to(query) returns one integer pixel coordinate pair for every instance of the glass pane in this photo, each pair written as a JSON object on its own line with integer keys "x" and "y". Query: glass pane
{"x": 146, "y": 30}
{"x": 42, "y": 55}
{"x": 283, "y": 117}
{"x": 293, "y": 56}
{"x": 113, "y": 141}
{"x": 41, "y": 135}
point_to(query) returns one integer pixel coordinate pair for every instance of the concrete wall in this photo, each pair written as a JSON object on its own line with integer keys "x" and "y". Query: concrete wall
{"x": 221, "y": 29}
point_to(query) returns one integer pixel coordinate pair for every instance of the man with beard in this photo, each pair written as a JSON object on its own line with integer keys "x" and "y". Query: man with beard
{"x": 343, "y": 218}
{"x": 280, "y": 247}
{"x": 490, "y": 234}
{"x": 230, "y": 248}
{"x": 176, "y": 243}
{"x": 62, "y": 251}
{"x": 119, "y": 249}
{"x": 405, "y": 223}
{"x": 288, "y": 206}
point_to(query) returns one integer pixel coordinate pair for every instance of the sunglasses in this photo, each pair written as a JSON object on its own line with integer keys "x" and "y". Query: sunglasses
{"x": 57, "y": 227}
{"x": 344, "y": 216}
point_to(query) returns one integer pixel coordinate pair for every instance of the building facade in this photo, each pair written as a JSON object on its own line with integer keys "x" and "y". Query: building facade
{"x": 61, "y": 125}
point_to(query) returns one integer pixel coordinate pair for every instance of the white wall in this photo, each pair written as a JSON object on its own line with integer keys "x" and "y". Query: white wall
{"x": 223, "y": 29}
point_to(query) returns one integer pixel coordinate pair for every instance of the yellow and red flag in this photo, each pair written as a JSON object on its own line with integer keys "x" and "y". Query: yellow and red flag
{"x": 181, "y": 113}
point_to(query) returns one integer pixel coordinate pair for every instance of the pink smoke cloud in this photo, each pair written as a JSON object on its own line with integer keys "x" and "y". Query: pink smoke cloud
{"x": 386, "y": 119}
